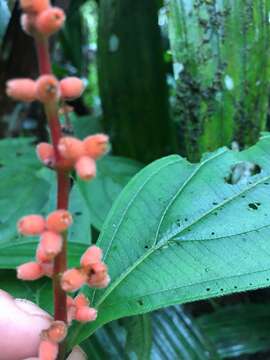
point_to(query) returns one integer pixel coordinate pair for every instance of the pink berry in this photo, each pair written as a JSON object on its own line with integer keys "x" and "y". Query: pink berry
{"x": 45, "y": 153}
{"x": 81, "y": 300}
{"x": 91, "y": 256}
{"x": 34, "y": 6}
{"x": 86, "y": 168}
{"x": 29, "y": 271}
{"x": 56, "y": 333}
{"x": 70, "y": 148}
{"x": 99, "y": 283}
{"x": 51, "y": 244}
{"x": 59, "y": 221}
{"x": 47, "y": 350}
{"x": 86, "y": 314}
{"x": 31, "y": 225}
{"x": 96, "y": 146}
{"x": 71, "y": 88}
{"x": 50, "y": 21}
{"x": 73, "y": 280}
{"x": 47, "y": 88}
{"x": 22, "y": 89}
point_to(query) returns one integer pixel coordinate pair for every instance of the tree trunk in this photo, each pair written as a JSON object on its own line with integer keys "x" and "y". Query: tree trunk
{"x": 132, "y": 79}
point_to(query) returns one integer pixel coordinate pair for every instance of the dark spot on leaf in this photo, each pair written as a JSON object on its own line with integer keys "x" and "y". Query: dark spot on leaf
{"x": 221, "y": 289}
{"x": 250, "y": 284}
{"x": 266, "y": 183}
{"x": 146, "y": 247}
{"x": 208, "y": 289}
{"x": 212, "y": 233}
{"x": 140, "y": 302}
{"x": 18, "y": 153}
{"x": 186, "y": 219}
{"x": 215, "y": 213}
{"x": 254, "y": 206}
{"x": 235, "y": 287}
{"x": 78, "y": 213}
{"x": 243, "y": 196}
{"x": 215, "y": 203}
{"x": 188, "y": 229}
{"x": 267, "y": 279}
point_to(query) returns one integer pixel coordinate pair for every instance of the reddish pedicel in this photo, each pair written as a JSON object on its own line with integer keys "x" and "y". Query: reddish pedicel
{"x": 45, "y": 154}
{"x": 73, "y": 279}
{"x": 96, "y": 145}
{"x": 91, "y": 256}
{"x": 71, "y": 148}
{"x": 47, "y": 88}
{"x": 29, "y": 271}
{"x": 86, "y": 168}
{"x": 22, "y": 89}
{"x": 34, "y": 6}
{"x": 59, "y": 221}
{"x": 31, "y": 225}
{"x": 71, "y": 88}
{"x": 50, "y": 21}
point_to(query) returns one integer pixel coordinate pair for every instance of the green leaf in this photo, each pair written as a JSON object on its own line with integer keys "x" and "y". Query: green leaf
{"x": 139, "y": 336}
{"x": 112, "y": 175}
{"x": 239, "y": 329}
{"x": 16, "y": 253}
{"x": 175, "y": 336}
{"x": 179, "y": 232}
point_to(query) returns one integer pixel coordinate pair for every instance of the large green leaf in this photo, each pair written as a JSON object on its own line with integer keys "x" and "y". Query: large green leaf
{"x": 238, "y": 329}
{"x": 130, "y": 338}
{"x": 225, "y": 333}
{"x": 180, "y": 232}
{"x": 100, "y": 193}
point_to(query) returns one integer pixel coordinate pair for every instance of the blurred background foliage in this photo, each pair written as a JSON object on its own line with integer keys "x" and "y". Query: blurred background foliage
{"x": 172, "y": 76}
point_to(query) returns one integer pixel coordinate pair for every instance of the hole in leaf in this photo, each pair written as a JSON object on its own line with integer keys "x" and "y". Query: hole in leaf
{"x": 242, "y": 172}
{"x": 254, "y": 206}
{"x": 212, "y": 233}
{"x": 146, "y": 247}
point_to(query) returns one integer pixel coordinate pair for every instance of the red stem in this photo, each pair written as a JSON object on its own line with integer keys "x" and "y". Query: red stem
{"x": 63, "y": 187}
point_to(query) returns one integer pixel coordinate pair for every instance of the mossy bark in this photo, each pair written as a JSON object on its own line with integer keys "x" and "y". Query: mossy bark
{"x": 132, "y": 79}
{"x": 221, "y": 52}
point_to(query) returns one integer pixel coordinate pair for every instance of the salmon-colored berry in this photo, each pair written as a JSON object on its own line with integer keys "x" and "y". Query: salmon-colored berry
{"x": 86, "y": 314}
{"x": 47, "y": 268}
{"x": 70, "y": 148}
{"x": 71, "y": 88}
{"x": 48, "y": 350}
{"x": 56, "y": 332}
{"x": 85, "y": 168}
{"x": 96, "y": 146}
{"x": 47, "y": 88}
{"x": 45, "y": 153}
{"x": 91, "y": 256}
{"x": 81, "y": 300}
{"x": 73, "y": 279}
{"x": 51, "y": 244}
{"x": 22, "y": 89}
{"x": 50, "y": 21}
{"x": 29, "y": 271}
{"x": 34, "y": 6}
{"x": 98, "y": 283}
{"x": 59, "y": 221}
{"x": 31, "y": 225}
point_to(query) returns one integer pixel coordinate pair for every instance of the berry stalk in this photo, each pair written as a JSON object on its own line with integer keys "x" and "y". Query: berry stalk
{"x": 63, "y": 183}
